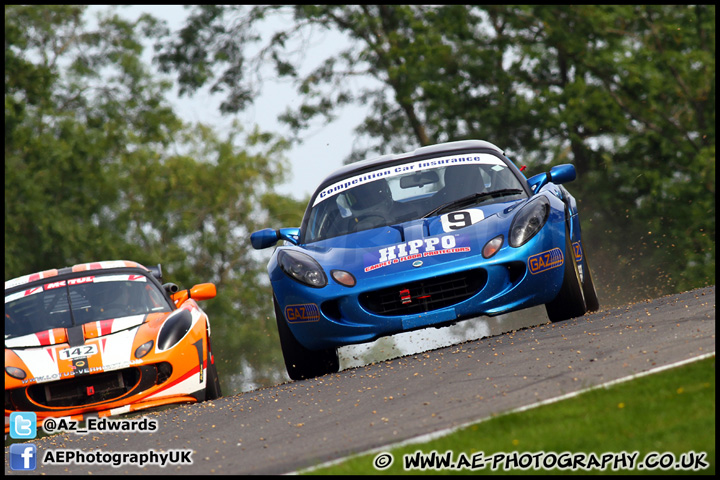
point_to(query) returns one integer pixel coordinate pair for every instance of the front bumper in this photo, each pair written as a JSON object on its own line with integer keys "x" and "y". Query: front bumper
{"x": 436, "y": 294}
{"x": 177, "y": 375}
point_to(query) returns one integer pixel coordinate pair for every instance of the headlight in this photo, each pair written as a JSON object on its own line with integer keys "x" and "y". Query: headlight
{"x": 174, "y": 330}
{"x": 343, "y": 278}
{"x": 15, "y": 372}
{"x": 529, "y": 220}
{"x": 302, "y": 268}
{"x": 492, "y": 247}
{"x": 143, "y": 349}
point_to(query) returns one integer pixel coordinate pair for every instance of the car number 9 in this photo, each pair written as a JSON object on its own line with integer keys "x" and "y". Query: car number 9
{"x": 461, "y": 219}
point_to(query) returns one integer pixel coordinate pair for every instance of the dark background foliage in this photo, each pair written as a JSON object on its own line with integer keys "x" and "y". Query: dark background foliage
{"x": 99, "y": 166}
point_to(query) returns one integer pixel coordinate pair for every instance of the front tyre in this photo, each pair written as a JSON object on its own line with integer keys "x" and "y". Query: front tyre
{"x": 591, "y": 298}
{"x": 570, "y": 301}
{"x": 212, "y": 385}
{"x": 300, "y": 362}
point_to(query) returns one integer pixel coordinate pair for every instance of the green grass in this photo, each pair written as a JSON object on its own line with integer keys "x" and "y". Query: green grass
{"x": 668, "y": 412}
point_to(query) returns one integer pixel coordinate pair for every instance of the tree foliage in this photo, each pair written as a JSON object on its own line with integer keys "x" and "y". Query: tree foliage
{"x": 99, "y": 167}
{"x": 624, "y": 92}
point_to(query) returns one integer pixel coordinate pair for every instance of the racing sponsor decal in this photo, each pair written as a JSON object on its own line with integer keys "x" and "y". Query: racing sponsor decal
{"x": 544, "y": 261}
{"x": 80, "y": 366}
{"x": 121, "y": 278}
{"x": 75, "y": 281}
{"x": 77, "y": 268}
{"x": 415, "y": 249}
{"x": 395, "y": 170}
{"x": 307, "y": 312}
{"x": 72, "y": 281}
{"x": 80, "y": 371}
{"x": 461, "y": 219}
{"x": 578, "y": 251}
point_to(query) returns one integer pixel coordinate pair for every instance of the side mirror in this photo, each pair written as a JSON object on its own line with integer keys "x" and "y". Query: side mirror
{"x": 202, "y": 291}
{"x": 264, "y": 238}
{"x": 558, "y": 174}
{"x": 268, "y": 237}
{"x": 562, "y": 173}
{"x": 536, "y": 182}
{"x": 291, "y": 235}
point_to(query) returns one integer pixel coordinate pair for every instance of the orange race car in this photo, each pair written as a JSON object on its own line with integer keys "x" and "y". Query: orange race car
{"x": 104, "y": 338}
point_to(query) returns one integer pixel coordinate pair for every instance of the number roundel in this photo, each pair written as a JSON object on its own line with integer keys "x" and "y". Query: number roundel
{"x": 77, "y": 352}
{"x": 461, "y": 219}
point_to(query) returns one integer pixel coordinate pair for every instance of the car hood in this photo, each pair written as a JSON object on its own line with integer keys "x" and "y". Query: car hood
{"x": 50, "y": 355}
{"x": 90, "y": 330}
{"x": 430, "y": 241}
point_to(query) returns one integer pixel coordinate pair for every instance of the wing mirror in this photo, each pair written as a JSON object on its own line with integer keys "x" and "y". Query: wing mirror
{"x": 202, "y": 291}
{"x": 268, "y": 237}
{"x": 558, "y": 174}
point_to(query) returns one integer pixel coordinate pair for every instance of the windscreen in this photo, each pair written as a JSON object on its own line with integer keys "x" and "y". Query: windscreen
{"x": 76, "y": 301}
{"x": 400, "y": 193}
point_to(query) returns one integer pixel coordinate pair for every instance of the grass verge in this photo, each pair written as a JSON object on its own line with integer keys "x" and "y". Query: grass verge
{"x": 664, "y": 418}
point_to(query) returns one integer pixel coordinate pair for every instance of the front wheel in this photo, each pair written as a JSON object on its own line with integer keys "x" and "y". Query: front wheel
{"x": 591, "y": 298}
{"x": 212, "y": 383}
{"x": 570, "y": 301}
{"x": 300, "y": 362}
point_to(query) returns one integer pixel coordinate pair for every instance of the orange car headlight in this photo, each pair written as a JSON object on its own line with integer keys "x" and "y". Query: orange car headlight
{"x": 16, "y": 372}
{"x": 143, "y": 349}
{"x": 174, "y": 330}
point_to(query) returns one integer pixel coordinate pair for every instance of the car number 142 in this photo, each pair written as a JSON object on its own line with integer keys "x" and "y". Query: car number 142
{"x": 77, "y": 352}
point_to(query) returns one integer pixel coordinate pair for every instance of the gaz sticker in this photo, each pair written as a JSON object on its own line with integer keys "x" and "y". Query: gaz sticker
{"x": 77, "y": 352}
{"x": 307, "y": 312}
{"x": 544, "y": 261}
{"x": 578, "y": 251}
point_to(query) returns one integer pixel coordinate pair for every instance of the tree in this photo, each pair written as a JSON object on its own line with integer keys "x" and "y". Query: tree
{"x": 631, "y": 90}
{"x": 626, "y": 93}
{"x": 99, "y": 167}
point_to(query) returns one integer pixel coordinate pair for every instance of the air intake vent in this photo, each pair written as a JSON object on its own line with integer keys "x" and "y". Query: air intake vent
{"x": 86, "y": 389}
{"x": 425, "y": 295}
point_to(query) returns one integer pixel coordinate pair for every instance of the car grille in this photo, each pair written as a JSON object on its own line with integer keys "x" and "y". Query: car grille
{"x": 86, "y": 389}
{"x": 424, "y": 295}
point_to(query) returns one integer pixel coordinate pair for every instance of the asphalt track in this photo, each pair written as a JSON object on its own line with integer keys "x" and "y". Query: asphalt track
{"x": 295, "y": 425}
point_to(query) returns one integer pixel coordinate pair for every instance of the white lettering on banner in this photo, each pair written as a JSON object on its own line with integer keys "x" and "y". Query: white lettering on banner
{"x": 350, "y": 182}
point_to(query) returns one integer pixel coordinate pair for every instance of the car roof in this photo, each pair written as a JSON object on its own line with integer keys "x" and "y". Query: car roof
{"x": 81, "y": 267}
{"x": 430, "y": 150}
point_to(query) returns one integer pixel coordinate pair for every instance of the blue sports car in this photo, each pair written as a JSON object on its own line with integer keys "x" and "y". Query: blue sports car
{"x": 423, "y": 239}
